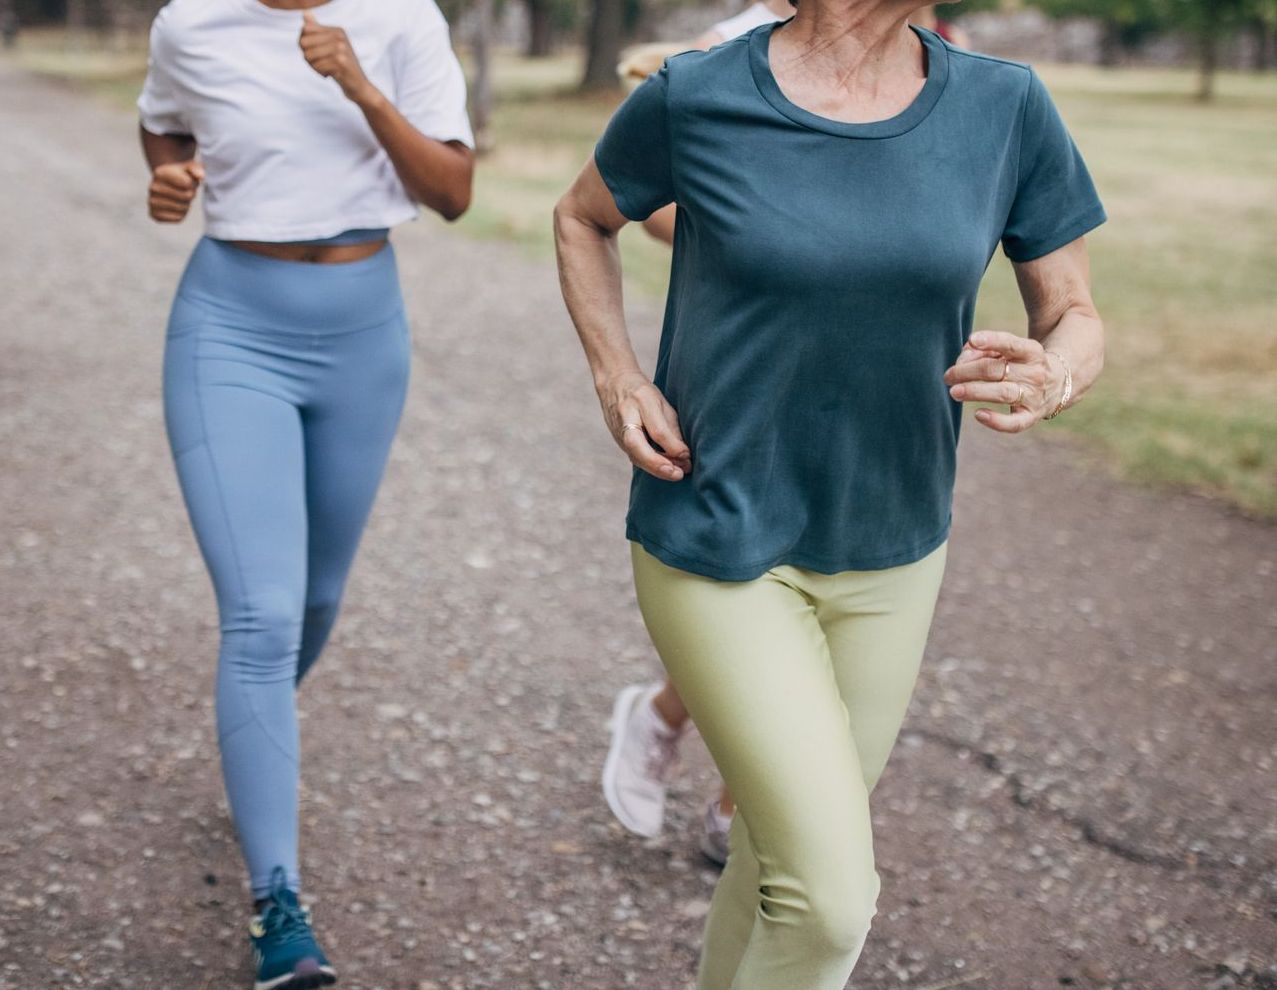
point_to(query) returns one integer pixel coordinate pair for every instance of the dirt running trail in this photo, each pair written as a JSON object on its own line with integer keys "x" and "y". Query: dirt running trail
{"x": 1084, "y": 794}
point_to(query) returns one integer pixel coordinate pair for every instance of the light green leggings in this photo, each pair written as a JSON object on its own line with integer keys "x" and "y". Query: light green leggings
{"x": 798, "y": 683}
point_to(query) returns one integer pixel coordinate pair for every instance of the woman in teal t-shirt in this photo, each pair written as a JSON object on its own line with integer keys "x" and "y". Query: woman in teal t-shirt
{"x": 842, "y": 182}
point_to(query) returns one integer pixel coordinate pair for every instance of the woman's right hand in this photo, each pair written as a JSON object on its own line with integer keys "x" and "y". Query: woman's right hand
{"x": 173, "y": 188}
{"x": 641, "y": 420}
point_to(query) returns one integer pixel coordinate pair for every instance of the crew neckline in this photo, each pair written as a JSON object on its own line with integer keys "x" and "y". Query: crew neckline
{"x": 909, "y": 118}
{"x": 296, "y": 12}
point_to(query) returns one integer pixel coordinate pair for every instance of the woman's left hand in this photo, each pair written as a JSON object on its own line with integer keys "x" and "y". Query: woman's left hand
{"x": 1006, "y": 369}
{"x": 329, "y": 52}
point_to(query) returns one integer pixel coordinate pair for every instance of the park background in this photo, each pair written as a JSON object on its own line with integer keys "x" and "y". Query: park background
{"x": 1146, "y": 861}
{"x": 1174, "y": 102}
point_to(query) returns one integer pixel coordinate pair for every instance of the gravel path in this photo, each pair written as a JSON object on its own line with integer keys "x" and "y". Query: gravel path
{"x": 1084, "y": 795}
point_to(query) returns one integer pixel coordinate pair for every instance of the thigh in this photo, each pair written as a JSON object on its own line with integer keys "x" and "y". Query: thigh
{"x": 349, "y": 424}
{"x": 238, "y": 452}
{"x": 876, "y": 624}
{"x": 751, "y": 663}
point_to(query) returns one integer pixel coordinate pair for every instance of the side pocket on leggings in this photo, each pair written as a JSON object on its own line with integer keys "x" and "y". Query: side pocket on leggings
{"x": 182, "y": 416}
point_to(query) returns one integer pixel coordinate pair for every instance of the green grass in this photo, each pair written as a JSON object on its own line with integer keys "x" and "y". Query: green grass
{"x": 1184, "y": 276}
{"x": 1185, "y": 272}
{"x": 544, "y": 132}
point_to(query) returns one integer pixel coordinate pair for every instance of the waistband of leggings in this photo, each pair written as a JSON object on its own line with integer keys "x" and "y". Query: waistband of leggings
{"x": 296, "y": 296}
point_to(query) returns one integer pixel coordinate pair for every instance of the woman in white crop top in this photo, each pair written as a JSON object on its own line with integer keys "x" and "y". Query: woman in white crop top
{"x": 312, "y": 128}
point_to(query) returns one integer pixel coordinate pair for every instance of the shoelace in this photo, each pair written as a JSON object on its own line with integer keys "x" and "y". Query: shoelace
{"x": 281, "y": 921}
{"x": 661, "y": 755}
{"x": 284, "y": 923}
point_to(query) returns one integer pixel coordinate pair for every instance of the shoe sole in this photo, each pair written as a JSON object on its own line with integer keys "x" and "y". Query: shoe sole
{"x": 309, "y": 978}
{"x": 621, "y": 710}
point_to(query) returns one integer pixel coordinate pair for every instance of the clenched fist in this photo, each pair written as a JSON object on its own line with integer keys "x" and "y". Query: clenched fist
{"x": 329, "y": 52}
{"x": 172, "y": 190}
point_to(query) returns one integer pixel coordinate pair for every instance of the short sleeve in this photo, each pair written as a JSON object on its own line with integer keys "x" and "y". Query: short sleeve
{"x": 159, "y": 106}
{"x": 1055, "y": 200}
{"x": 430, "y": 85}
{"x": 633, "y": 156}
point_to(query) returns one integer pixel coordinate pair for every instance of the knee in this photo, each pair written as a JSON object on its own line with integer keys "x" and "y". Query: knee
{"x": 261, "y": 632}
{"x": 840, "y": 913}
{"x": 321, "y": 613}
{"x": 322, "y": 604}
{"x": 834, "y": 909}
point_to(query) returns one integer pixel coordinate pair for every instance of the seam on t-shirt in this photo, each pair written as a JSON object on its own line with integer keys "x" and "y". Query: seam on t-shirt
{"x": 669, "y": 129}
{"x": 985, "y": 58}
{"x": 1024, "y": 126}
{"x": 619, "y": 196}
{"x": 1067, "y": 234}
{"x": 944, "y": 88}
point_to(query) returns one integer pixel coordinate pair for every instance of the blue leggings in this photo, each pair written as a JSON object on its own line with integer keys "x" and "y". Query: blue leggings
{"x": 283, "y": 385}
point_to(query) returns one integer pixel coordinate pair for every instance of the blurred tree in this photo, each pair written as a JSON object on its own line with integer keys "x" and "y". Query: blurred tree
{"x": 481, "y": 94}
{"x": 1123, "y": 22}
{"x": 77, "y": 20}
{"x": 956, "y": 8}
{"x": 604, "y": 39}
{"x": 8, "y": 23}
{"x": 1209, "y": 22}
{"x": 540, "y": 28}
{"x": 547, "y": 20}
{"x": 1264, "y": 26}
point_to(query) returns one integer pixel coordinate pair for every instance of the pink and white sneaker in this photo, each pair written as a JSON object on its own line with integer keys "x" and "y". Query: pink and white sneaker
{"x": 714, "y": 837}
{"x": 640, "y": 760}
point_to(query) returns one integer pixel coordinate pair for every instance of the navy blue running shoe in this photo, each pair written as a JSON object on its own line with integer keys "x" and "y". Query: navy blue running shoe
{"x": 284, "y": 947}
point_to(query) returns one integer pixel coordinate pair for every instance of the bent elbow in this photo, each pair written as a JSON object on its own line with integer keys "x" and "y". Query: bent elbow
{"x": 456, "y": 206}
{"x": 558, "y": 216}
{"x": 566, "y": 217}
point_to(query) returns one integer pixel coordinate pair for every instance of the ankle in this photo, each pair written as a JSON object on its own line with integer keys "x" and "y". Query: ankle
{"x": 672, "y": 717}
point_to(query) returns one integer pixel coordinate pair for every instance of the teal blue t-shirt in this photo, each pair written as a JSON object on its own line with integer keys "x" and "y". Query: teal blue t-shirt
{"x": 824, "y": 277}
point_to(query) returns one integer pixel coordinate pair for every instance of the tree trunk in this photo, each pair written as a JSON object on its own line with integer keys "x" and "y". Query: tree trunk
{"x": 119, "y": 16}
{"x": 1265, "y": 44}
{"x": 540, "y": 29}
{"x": 482, "y": 105}
{"x": 1208, "y": 40}
{"x": 8, "y": 23}
{"x": 77, "y": 19}
{"x": 603, "y": 52}
{"x": 1110, "y": 43}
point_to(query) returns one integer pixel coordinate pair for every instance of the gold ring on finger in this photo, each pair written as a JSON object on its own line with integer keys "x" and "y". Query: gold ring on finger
{"x": 1019, "y": 399}
{"x": 1006, "y": 370}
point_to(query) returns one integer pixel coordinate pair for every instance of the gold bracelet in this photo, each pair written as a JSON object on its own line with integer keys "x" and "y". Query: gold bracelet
{"x": 1068, "y": 386}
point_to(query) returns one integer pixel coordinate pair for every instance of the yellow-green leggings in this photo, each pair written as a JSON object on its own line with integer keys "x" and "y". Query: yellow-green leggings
{"x": 798, "y": 683}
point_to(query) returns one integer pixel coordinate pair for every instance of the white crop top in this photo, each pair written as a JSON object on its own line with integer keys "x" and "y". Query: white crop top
{"x": 287, "y": 157}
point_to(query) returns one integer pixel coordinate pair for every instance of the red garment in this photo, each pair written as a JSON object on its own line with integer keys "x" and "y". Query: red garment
{"x": 945, "y": 30}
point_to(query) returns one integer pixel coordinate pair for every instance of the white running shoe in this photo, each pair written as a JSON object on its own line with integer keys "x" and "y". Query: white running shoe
{"x": 639, "y": 762}
{"x": 714, "y": 838}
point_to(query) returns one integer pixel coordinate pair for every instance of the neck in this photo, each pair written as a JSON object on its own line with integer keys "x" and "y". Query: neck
{"x": 860, "y": 37}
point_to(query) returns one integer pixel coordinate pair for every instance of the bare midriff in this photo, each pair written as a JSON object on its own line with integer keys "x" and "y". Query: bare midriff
{"x": 319, "y": 254}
